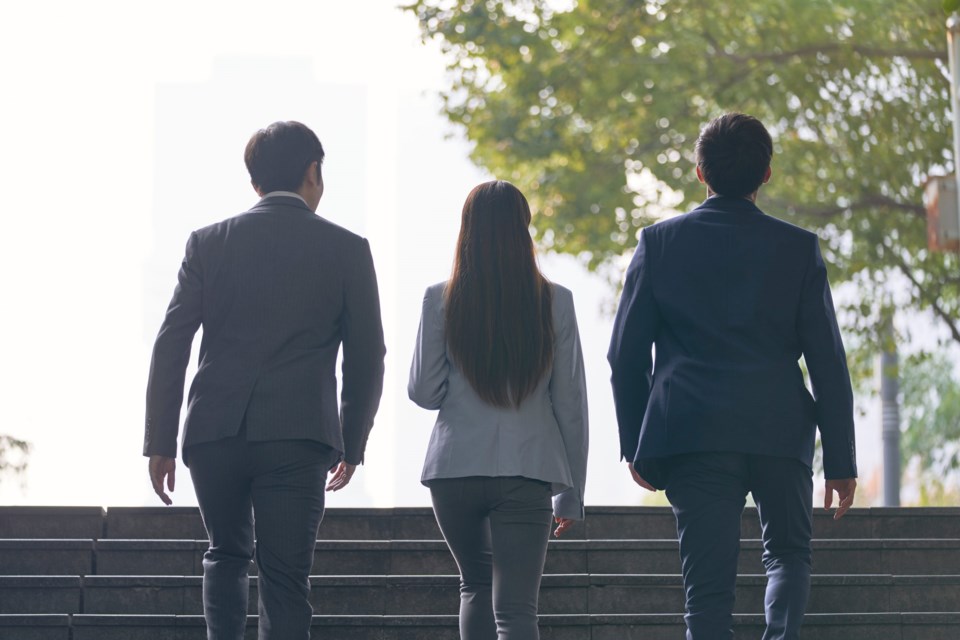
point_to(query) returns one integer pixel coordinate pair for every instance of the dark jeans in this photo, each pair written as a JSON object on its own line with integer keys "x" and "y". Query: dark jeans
{"x": 497, "y": 529}
{"x": 273, "y": 491}
{"x": 708, "y": 492}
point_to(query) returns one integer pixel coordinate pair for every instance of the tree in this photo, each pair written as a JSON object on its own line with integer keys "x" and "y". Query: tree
{"x": 931, "y": 412}
{"x": 592, "y": 109}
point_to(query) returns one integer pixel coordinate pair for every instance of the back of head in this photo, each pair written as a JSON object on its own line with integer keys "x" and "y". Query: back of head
{"x": 277, "y": 156}
{"x": 733, "y": 153}
{"x": 499, "y": 323}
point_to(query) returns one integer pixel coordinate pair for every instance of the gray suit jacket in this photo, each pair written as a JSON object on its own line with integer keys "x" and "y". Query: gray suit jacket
{"x": 544, "y": 439}
{"x": 277, "y": 290}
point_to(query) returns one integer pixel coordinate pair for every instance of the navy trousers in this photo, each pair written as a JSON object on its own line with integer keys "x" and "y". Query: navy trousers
{"x": 708, "y": 492}
{"x": 260, "y": 500}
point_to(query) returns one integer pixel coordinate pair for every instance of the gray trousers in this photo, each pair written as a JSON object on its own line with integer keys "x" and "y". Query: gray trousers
{"x": 272, "y": 492}
{"x": 497, "y": 529}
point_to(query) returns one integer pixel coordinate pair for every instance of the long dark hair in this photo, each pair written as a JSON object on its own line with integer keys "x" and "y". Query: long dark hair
{"x": 499, "y": 323}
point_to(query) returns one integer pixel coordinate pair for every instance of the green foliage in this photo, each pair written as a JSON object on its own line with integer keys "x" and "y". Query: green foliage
{"x": 13, "y": 456}
{"x": 951, "y": 5}
{"x": 592, "y": 109}
{"x": 931, "y": 418}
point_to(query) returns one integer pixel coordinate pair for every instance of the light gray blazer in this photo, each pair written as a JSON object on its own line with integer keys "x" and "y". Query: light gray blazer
{"x": 544, "y": 439}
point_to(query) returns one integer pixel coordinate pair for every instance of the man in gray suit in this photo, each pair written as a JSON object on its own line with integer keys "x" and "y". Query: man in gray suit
{"x": 277, "y": 290}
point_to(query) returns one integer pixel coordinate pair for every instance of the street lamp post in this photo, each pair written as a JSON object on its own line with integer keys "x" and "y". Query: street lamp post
{"x": 890, "y": 401}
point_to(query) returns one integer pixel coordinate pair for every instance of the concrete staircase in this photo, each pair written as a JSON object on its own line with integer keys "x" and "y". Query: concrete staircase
{"x": 77, "y": 573}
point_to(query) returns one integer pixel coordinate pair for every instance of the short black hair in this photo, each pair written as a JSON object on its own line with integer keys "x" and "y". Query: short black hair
{"x": 733, "y": 153}
{"x": 277, "y": 156}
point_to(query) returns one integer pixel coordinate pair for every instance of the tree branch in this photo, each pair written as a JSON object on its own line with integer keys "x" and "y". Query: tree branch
{"x": 828, "y": 47}
{"x": 934, "y": 301}
{"x": 867, "y": 202}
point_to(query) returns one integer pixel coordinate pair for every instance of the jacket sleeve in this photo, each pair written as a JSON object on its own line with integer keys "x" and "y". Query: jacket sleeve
{"x": 427, "y": 385}
{"x": 827, "y": 364}
{"x": 171, "y": 353}
{"x": 363, "y": 354}
{"x": 568, "y": 393}
{"x": 630, "y": 355}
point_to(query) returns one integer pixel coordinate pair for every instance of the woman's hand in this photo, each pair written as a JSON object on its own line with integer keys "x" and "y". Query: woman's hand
{"x": 563, "y": 525}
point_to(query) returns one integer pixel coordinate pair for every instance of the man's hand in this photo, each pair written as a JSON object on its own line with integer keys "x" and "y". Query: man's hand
{"x": 341, "y": 476}
{"x": 845, "y": 489}
{"x": 638, "y": 478}
{"x": 163, "y": 467}
{"x": 562, "y": 525}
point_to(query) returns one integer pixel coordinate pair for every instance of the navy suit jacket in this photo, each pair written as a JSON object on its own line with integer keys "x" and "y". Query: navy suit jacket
{"x": 277, "y": 290}
{"x": 731, "y": 298}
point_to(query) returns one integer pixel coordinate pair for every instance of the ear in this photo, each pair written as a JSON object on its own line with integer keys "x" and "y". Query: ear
{"x": 312, "y": 174}
{"x": 700, "y": 175}
{"x": 257, "y": 188}
{"x": 766, "y": 176}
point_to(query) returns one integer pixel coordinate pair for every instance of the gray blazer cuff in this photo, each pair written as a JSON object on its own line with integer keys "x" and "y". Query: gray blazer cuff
{"x": 568, "y": 504}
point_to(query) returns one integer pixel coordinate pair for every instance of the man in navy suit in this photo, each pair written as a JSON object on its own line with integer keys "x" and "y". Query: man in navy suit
{"x": 731, "y": 298}
{"x": 278, "y": 291}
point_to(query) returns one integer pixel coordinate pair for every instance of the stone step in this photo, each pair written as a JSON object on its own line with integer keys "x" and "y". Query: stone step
{"x": 439, "y": 595}
{"x": 417, "y": 523}
{"x": 34, "y": 627}
{"x": 880, "y": 626}
{"x": 46, "y": 557}
{"x": 41, "y": 594}
{"x": 431, "y": 557}
{"x": 52, "y": 522}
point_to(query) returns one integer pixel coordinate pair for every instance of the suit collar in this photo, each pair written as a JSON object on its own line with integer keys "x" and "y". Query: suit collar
{"x": 725, "y": 204}
{"x": 281, "y": 203}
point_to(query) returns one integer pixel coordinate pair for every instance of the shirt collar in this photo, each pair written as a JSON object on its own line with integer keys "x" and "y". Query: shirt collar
{"x": 285, "y": 194}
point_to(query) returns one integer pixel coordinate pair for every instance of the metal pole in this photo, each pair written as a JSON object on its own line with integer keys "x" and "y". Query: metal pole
{"x": 953, "y": 49}
{"x": 889, "y": 394}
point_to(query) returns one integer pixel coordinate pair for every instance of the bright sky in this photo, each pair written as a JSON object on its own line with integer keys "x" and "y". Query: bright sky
{"x": 124, "y": 130}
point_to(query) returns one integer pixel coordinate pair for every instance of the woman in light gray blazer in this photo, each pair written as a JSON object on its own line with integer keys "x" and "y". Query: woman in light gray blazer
{"x": 498, "y": 353}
